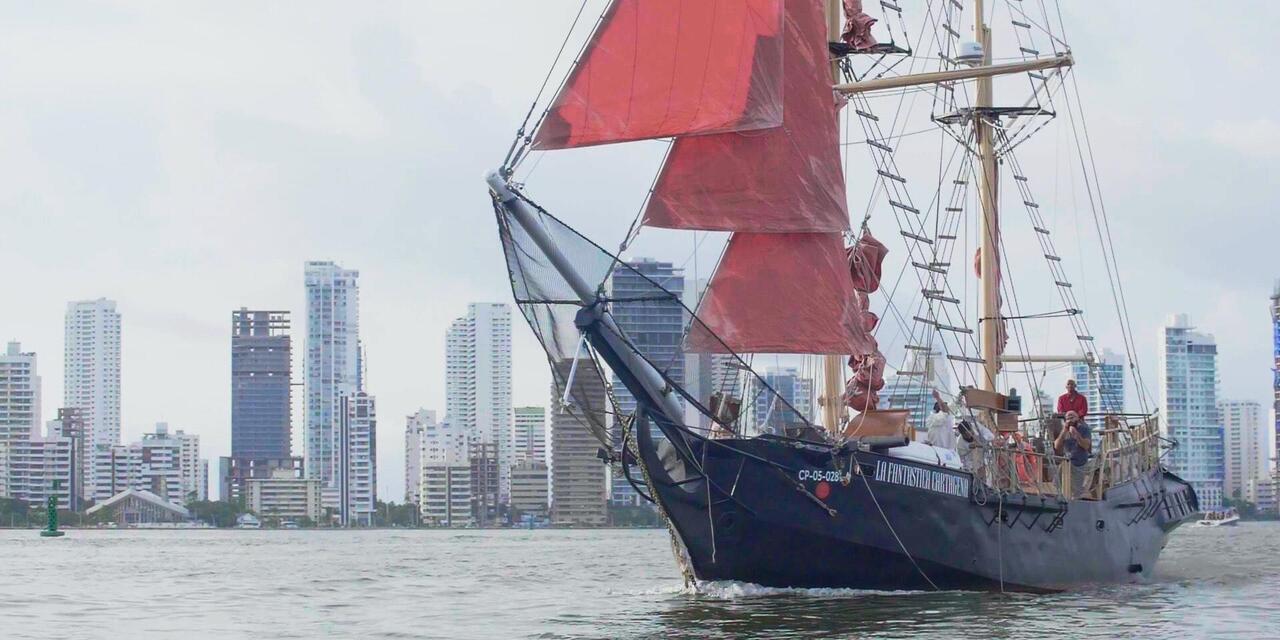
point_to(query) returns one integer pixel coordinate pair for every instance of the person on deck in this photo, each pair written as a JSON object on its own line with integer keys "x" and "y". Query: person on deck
{"x": 940, "y": 425}
{"x": 1076, "y": 443}
{"x": 1073, "y": 400}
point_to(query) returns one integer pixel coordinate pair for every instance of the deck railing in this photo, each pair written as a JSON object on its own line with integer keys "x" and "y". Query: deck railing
{"x": 1022, "y": 465}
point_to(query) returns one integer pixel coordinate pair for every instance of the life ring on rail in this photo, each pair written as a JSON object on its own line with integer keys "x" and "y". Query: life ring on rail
{"x": 1024, "y": 461}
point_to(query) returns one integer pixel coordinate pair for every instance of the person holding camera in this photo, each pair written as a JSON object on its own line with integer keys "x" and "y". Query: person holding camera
{"x": 1075, "y": 442}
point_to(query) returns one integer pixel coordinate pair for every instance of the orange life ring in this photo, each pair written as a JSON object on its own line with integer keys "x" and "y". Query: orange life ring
{"x": 1024, "y": 463}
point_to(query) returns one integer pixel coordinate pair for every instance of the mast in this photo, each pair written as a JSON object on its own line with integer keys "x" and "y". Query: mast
{"x": 988, "y": 186}
{"x": 833, "y": 365}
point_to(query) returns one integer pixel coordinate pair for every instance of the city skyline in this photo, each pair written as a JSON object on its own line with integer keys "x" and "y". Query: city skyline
{"x": 1108, "y": 358}
{"x": 151, "y": 233}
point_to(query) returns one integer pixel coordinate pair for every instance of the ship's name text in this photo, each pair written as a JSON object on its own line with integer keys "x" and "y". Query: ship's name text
{"x": 927, "y": 479}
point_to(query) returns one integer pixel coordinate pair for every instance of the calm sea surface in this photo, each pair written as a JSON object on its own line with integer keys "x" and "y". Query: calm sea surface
{"x": 1222, "y": 582}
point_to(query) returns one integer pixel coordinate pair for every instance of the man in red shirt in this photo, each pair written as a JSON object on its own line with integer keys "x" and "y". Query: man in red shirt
{"x": 1072, "y": 400}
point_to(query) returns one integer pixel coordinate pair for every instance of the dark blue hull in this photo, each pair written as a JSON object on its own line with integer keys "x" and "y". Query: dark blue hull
{"x": 760, "y": 515}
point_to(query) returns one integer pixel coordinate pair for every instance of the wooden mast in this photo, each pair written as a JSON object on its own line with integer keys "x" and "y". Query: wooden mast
{"x": 988, "y": 190}
{"x": 833, "y": 365}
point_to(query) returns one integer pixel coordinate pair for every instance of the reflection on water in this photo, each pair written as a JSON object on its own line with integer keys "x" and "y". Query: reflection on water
{"x": 1219, "y": 582}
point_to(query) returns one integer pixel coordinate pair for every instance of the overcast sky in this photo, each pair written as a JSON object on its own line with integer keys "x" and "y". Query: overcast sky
{"x": 186, "y": 159}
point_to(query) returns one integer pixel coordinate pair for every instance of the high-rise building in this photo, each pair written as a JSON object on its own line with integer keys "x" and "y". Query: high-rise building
{"x": 70, "y": 425}
{"x": 91, "y": 378}
{"x": 235, "y": 473}
{"x": 415, "y": 427}
{"x": 478, "y": 388}
{"x": 484, "y": 483}
{"x": 332, "y": 371}
{"x": 529, "y": 491}
{"x": 1189, "y": 404}
{"x": 29, "y": 468}
{"x": 261, "y": 391}
{"x": 1275, "y": 384}
{"x": 284, "y": 496}
{"x": 530, "y": 434}
{"x": 912, "y": 388}
{"x": 19, "y": 395}
{"x": 1102, "y": 384}
{"x": 1245, "y": 443}
{"x": 790, "y": 407}
{"x": 654, "y": 322}
{"x": 358, "y": 455}
{"x": 446, "y": 476}
{"x": 578, "y": 491}
{"x": 165, "y": 463}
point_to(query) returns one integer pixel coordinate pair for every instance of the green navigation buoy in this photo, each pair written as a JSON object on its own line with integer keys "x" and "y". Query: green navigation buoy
{"x": 51, "y": 529}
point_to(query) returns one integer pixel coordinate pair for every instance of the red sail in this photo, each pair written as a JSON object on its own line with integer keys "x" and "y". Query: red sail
{"x": 661, "y": 68}
{"x": 781, "y": 180}
{"x": 780, "y": 293}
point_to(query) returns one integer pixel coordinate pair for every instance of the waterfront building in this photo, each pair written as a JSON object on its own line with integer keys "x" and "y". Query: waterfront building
{"x": 165, "y": 463}
{"x": 29, "y": 468}
{"x": 1261, "y": 491}
{"x": 1102, "y": 384}
{"x": 484, "y": 482}
{"x": 234, "y": 473}
{"x": 446, "y": 476}
{"x": 446, "y": 495}
{"x": 791, "y": 407}
{"x": 138, "y": 506}
{"x": 478, "y": 389}
{"x": 1189, "y": 404}
{"x": 285, "y": 496}
{"x": 529, "y": 491}
{"x": 261, "y": 400}
{"x": 1275, "y": 384}
{"x": 91, "y": 380}
{"x": 261, "y": 391}
{"x": 358, "y": 455}
{"x": 1039, "y": 404}
{"x": 1246, "y": 448}
{"x": 654, "y": 322}
{"x": 912, "y": 388}
{"x": 19, "y": 394}
{"x": 331, "y": 370}
{"x": 70, "y": 425}
{"x": 578, "y": 491}
{"x": 530, "y": 434}
{"x": 415, "y": 427}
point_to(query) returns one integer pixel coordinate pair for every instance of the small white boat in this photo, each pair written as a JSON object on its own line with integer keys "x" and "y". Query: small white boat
{"x": 1227, "y": 518}
{"x": 248, "y": 521}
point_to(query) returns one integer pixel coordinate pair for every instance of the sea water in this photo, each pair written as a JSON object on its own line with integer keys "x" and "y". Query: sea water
{"x": 1211, "y": 582}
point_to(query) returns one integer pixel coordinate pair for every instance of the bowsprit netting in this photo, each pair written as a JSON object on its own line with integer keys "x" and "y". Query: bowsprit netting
{"x": 552, "y": 308}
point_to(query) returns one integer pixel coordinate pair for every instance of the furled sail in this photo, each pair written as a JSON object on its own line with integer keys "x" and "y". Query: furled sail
{"x": 662, "y": 68}
{"x": 781, "y": 293}
{"x": 866, "y": 258}
{"x": 786, "y": 179}
{"x": 857, "y": 26}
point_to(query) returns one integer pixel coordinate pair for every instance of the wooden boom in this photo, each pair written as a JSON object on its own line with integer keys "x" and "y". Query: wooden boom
{"x": 935, "y": 77}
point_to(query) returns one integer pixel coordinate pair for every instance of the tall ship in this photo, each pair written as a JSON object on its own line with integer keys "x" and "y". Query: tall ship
{"x": 778, "y": 116}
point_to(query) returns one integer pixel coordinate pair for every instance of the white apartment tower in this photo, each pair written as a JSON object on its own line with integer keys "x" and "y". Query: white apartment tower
{"x": 19, "y": 395}
{"x": 1189, "y": 406}
{"x": 445, "y": 481}
{"x": 358, "y": 472}
{"x": 1246, "y": 445}
{"x": 91, "y": 370}
{"x": 331, "y": 368}
{"x": 478, "y": 383}
{"x": 415, "y": 426}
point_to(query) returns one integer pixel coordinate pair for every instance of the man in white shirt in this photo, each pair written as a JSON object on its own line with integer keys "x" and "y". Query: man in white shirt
{"x": 940, "y": 426}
